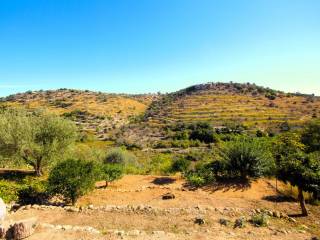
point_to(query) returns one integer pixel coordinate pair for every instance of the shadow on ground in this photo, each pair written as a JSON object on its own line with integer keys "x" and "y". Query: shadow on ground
{"x": 279, "y": 198}
{"x": 163, "y": 180}
{"x": 224, "y": 185}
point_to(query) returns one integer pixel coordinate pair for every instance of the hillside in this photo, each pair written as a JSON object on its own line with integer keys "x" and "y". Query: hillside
{"x": 94, "y": 112}
{"x": 120, "y": 115}
{"x": 221, "y": 103}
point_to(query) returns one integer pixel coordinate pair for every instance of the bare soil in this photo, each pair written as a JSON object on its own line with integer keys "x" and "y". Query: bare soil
{"x": 148, "y": 190}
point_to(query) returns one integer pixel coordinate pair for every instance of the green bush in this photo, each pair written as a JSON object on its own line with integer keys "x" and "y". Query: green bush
{"x": 160, "y": 164}
{"x": 34, "y": 191}
{"x": 73, "y": 178}
{"x": 111, "y": 172}
{"x": 247, "y": 157}
{"x": 180, "y": 165}
{"x": 119, "y": 156}
{"x": 9, "y": 191}
{"x": 200, "y": 176}
{"x": 260, "y": 220}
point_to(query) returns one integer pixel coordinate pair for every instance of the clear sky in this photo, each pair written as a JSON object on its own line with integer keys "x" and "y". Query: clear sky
{"x": 138, "y": 46}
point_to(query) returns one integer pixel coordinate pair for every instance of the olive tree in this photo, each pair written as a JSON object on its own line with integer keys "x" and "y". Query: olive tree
{"x": 73, "y": 178}
{"x": 301, "y": 170}
{"x": 36, "y": 138}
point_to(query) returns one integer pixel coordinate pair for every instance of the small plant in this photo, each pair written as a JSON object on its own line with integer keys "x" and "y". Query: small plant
{"x": 111, "y": 172}
{"x": 180, "y": 165}
{"x": 240, "y": 222}
{"x": 260, "y": 220}
{"x": 72, "y": 179}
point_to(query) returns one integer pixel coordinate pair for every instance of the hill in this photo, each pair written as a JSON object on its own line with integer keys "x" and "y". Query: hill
{"x": 141, "y": 118}
{"x": 94, "y": 112}
{"x": 221, "y": 103}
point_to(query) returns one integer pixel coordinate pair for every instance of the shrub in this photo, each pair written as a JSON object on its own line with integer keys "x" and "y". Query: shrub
{"x": 33, "y": 192}
{"x": 180, "y": 165}
{"x": 160, "y": 164}
{"x": 119, "y": 156}
{"x": 111, "y": 172}
{"x": 200, "y": 176}
{"x": 247, "y": 157}
{"x": 72, "y": 179}
{"x": 9, "y": 191}
{"x": 260, "y": 220}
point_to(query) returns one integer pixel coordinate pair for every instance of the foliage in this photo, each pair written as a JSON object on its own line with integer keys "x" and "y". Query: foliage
{"x": 200, "y": 176}
{"x": 9, "y": 191}
{"x": 180, "y": 165}
{"x": 311, "y": 136}
{"x": 33, "y": 191}
{"x": 160, "y": 164}
{"x": 37, "y": 139}
{"x": 260, "y": 220}
{"x": 73, "y": 178}
{"x": 119, "y": 156}
{"x": 247, "y": 157}
{"x": 202, "y": 132}
{"x": 111, "y": 172}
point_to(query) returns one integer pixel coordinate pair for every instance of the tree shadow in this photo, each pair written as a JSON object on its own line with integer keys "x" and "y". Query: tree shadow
{"x": 163, "y": 180}
{"x": 15, "y": 174}
{"x": 224, "y": 185}
{"x": 279, "y": 198}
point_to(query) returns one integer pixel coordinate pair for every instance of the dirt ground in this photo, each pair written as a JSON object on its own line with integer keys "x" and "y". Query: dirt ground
{"x": 210, "y": 204}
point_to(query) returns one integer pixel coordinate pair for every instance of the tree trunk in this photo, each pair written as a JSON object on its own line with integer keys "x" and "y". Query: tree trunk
{"x": 302, "y": 202}
{"x": 106, "y": 184}
{"x": 38, "y": 171}
{"x": 38, "y": 168}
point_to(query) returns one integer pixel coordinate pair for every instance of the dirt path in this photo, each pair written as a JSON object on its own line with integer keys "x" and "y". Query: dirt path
{"x": 134, "y": 209}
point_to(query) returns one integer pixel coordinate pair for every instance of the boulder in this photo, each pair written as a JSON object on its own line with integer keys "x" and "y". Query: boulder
{"x": 3, "y": 210}
{"x": 199, "y": 221}
{"x": 22, "y": 229}
{"x": 168, "y": 196}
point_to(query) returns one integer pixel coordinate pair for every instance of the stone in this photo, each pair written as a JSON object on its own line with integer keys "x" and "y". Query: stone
{"x": 72, "y": 209}
{"x": 168, "y": 196}
{"x": 134, "y": 232}
{"x": 292, "y": 219}
{"x": 224, "y": 222}
{"x": 240, "y": 223}
{"x": 3, "y": 210}
{"x": 199, "y": 221}
{"x": 22, "y": 229}
{"x": 276, "y": 214}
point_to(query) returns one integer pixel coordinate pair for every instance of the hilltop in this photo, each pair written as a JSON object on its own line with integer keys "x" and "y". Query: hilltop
{"x": 140, "y": 118}
{"x": 219, "y": 103}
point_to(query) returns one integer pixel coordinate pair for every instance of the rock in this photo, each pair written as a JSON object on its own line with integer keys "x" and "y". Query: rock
{"x": 91, "y": 207}
{"x": 224, "y": 222}
{"x": 276, "y": 214}
{"x": 315, "y": 238}
{"x": 3, "y": 210}
{"x": 159, "y": 233}
{"x": 240, "y": 223}
{"x": 72, "y": 209}
{"x": 134, "y": 232}
{"x": 22, "y": 229}
{"x": 292, "y": 219}
{"x": 199, "y": 221}
{"x": 168, "y": 196}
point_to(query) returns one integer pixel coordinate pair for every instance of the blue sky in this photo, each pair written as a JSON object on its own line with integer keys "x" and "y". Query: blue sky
{"x": 138, "y": 46}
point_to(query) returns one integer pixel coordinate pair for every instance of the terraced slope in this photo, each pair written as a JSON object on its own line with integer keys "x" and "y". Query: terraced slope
{"x": 92, "y": 111}
{"x": 222, "y": 103}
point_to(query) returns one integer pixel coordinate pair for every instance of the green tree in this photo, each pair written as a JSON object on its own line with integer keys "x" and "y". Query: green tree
{"x": 73, "y": 178}
{"x": 111, "y": 172}
{"x": 311, "y": 136}
{"x": 301, "y": 170}
{"x": 38, "y": 139}
{"x": 247, "y": 157}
